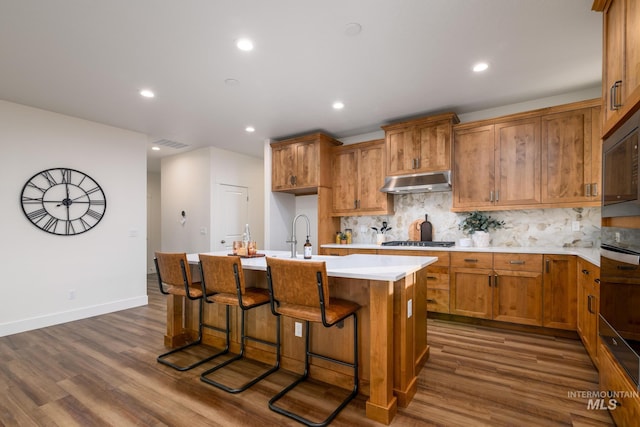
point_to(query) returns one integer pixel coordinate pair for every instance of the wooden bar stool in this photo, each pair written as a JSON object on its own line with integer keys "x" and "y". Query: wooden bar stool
{"x": 223, "y": 279}
{"x": 174, "y": 278}
{"x": 300, "y": 289}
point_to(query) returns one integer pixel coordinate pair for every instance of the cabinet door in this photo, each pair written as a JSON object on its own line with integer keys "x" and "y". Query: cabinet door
{"x": 402, "y": 151}
{"x": 371, "y": 178}
{"x": 626, "y": 408}
{"x": 307, "y": 164}
{"x": 632, "y": 50}
{"x": 588, "y": 306}
{"x": 434, "y": 142}
{"x": 559, "y": 292}
{"x": 613, "y": 58}
{"x": 566, "y": 156}
{"x": 345, "y": 172}
{"x": 471, "y": 292}
{"x": 283, "y": 167}
{"x": 474, "y": 167}
{"x": 518, "y": 168}
{"x": 517, "y": 297}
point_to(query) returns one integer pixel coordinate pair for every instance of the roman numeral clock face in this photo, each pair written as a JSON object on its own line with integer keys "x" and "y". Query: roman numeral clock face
{"x": 63, "y": 201}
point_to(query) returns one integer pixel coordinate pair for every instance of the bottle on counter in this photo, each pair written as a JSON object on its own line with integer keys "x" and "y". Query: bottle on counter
{"x": 338, "y": 237}
{"x": 307, "y": 249}
{"x": 348, "y": 232}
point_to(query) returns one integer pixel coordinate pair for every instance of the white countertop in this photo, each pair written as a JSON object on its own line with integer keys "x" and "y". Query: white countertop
{"x": 589, "y": 254}
{"x": 357, "y": 266}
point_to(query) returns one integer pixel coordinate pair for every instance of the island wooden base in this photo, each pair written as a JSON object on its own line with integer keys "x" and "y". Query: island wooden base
{"x": 392, "y": 337}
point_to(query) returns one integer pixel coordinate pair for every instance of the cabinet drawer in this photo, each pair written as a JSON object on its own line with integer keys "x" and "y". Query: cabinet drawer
{"x": 518, "y": 262}
{"x": 472, "y": 259}
{"x": 438, "y": 300}
{"x": 443, "y": 256}
{"x": 438, "y": 278}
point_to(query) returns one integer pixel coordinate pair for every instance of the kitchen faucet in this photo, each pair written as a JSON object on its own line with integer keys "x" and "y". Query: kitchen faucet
{"x": 293, "y": 240}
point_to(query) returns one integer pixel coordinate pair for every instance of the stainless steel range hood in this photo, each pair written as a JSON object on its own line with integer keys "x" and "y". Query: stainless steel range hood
{"x": 418, "y": 183}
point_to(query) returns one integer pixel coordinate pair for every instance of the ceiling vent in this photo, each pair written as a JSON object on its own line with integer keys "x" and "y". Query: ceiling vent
{"x": 170, "y": 144}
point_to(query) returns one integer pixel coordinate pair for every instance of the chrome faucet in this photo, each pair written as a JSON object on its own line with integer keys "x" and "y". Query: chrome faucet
{"x": 293, "y": 240}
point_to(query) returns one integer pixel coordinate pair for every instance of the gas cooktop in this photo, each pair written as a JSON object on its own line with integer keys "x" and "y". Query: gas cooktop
{"x": 418, "y": 243}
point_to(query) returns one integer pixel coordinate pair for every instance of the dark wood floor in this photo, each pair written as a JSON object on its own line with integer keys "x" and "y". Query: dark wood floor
{"x": 103, "y": 372}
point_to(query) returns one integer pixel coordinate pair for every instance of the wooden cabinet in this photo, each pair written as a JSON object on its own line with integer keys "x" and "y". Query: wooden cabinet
{"x": 621, "y": 61}
{"x": 571, "y": 169}
{"x": 358, "y": 174}
{"x": 538, "y": 159}
{"x": 505, "y": 157}
{"x": 438, "y": 283}
{"x": 517, "y": 288}
{"x": 623, "y": 406}
{"x": 560, "y": 292}
{"x": 503, "y": 287}
{"x": 419, "y": 145}
{"x": 588, "y": 306}
{"x": 301, "y": 165}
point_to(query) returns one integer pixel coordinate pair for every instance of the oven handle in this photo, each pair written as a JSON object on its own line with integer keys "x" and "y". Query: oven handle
{"x": 620, "y": 257}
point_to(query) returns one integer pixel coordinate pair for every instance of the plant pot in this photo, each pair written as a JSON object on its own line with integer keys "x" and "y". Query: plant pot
{"x": 481, "y": 239}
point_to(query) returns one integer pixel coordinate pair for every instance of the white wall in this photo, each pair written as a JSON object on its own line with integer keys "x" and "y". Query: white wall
{"x": 104, "y": 267}
{"x": 189, "y": 181}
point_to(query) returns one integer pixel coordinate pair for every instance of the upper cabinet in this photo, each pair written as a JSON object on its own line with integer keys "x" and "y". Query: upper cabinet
{"x": 358, "y": 174}
{"x": 419, "y": 145}
{"x": 497, "y": 165}
{"x": 300, "y": 165}
{"x": 544, "y": 158}
{"x": 571, "y": 169}
{"x": 621, "y": 61}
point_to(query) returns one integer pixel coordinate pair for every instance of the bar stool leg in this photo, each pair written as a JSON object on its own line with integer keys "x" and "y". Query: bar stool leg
{"x": 275, "y": 367}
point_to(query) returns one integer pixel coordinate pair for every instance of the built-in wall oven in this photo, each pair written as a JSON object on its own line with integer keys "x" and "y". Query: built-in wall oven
{"x": 619, "y": 322}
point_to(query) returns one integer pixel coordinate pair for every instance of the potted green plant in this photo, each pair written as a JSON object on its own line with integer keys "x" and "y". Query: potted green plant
{"x": 478, "y": 224}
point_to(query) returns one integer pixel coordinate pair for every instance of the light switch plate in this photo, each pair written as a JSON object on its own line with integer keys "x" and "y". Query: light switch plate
{"x": 298, "y": 329}
{"x": 409, "y": 309}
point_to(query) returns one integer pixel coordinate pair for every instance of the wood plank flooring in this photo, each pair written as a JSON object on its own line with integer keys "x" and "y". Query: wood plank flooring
{"x": 102, "y": 372}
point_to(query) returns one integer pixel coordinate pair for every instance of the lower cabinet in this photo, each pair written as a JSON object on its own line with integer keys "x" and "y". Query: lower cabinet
{"x": 503, "y": 287}
{"x": 623, "y": 406}
{"x": 560, "y": 292}
{"x": 588, "y": 306}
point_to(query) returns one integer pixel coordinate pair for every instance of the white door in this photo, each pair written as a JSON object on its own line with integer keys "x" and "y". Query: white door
{"x": 232, "y": 213}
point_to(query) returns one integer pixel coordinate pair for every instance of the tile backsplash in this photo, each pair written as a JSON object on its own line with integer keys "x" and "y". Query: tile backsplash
{"x": 531, "y": 227}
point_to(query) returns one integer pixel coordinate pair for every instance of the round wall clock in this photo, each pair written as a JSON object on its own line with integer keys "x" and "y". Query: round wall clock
{"x": 63, "y": 201}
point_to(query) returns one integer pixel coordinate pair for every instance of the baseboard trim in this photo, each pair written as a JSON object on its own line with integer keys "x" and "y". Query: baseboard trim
{"x": 38, "y": 322}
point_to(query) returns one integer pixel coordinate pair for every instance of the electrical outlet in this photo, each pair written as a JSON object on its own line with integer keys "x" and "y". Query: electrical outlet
{"x": 575, "y": 226}
{"x": 409, "y": 309}
{"x": 298, "y": 329}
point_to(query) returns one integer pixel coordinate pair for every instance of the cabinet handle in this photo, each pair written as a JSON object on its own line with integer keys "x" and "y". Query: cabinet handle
{"x": 355, "y": 204}
{"x": 516, "y": 261}
{"x": 597, "y": 281}
{"x": 589, "y": 308}
{"x": 495, "y": 281}
{"x": 547, "y": 265}
{"x": 594, "y": 189}
{"x": 470, "y": 260}
{"x": 491, "y": 196}
{"x": 430, "y": 300}
{"x": 587, "y": 190}
{"x": 585, "y": 271}
{"x": 489, "y": 280}
{"x": 613, "y": 96}
{"x": 431, "y": 277}
{"x": 497, "y": 196}
{"x": 418, "y": 163}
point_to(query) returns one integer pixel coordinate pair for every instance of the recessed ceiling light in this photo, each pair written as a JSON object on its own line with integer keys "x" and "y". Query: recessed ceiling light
{"x": 480, "y": 66}
{"x": 231, "y": 82}
{"x": 353, "y": 29}
{"x": 338, "y": 105}
{"x": 147, "y": 93}
{"x": 250, "y": 129}
{"x": 244, "y": 44}
{"x": 154, "y": 148}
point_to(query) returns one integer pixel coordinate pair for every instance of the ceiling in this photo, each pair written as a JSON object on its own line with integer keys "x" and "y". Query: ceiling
{"x": 90, "y": 58}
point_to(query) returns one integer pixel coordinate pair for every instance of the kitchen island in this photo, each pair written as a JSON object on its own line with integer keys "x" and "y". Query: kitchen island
{"x": 392, "y": 326}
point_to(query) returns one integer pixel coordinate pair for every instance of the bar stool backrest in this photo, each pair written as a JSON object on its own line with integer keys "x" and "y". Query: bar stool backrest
{"x": 296, "y": 282}
{"x": 220, "y": 274}
{"x": 170, "y": 269}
